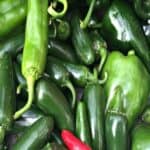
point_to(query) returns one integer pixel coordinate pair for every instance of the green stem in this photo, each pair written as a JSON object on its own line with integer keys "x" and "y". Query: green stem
{"x": 69, "y": 85}
{"x": 103, "y": 56}
{"x": 20, "y": 86}
{"x": 102, "y": 81}
{"x": 30, "y": 84}
{"x": 2, "y": 134}
{"x": 56, "y": 14}
{"x": 84, "y": 23}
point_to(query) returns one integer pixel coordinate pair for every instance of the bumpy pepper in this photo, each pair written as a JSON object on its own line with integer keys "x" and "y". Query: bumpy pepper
{"x": 130, "y": 74}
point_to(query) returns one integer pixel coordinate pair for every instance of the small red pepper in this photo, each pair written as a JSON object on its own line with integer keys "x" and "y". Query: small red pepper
{"x": 72, "y": 142}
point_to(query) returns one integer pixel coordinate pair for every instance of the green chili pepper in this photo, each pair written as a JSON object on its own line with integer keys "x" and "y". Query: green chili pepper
{"x": 62, "y": 51}
{"x": 122, "y": 31}
{"x": 54, "y": 146}
{"x": 116, "y": 123}
{"x": 146, "y": 115}
{"x": 130, "y": 74}
{"x": 94, "y": 98}
{"x": 60, "y": 75}
{"x": 142, "y": 8}
{"x": 13, "y": 17}
{"x": 81, "y": 41}
{"x": 140, "y": 137}
{"x": 7, "y": 94}
{"x": 82, "y": 123}
{"x": 35, "y": 48}
{"x": 52, "y": 101}
{"x": 35, "y": 136}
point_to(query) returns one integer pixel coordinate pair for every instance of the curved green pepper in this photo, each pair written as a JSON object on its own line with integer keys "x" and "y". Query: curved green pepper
{"x": 122, "y": 31}
{"x": 12, "y": 17}
{"x": 82, "y": 123}
{"x": 94, "y": 99}
{"x": 129, "y": 73}
{"x": 52, "y": 101}
{"x": 81, "y": 41}
{"x": 60, "y": 75}
{"x": 141, "y": 137}
{"x": 7, "y": 94}
{"x": 142, "y": 8}
{"x": 35, "y": 136}
{"x": 62, "y": 51}
{"x": 116, "y": 123}
{"x": 35, "y": 48}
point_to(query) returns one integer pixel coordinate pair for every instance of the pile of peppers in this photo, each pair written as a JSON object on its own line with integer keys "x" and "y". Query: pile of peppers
{"x": 75, "y": 75}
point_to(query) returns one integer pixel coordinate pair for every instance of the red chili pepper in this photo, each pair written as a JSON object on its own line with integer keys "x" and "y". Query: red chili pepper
{"x": 72, "y": 142}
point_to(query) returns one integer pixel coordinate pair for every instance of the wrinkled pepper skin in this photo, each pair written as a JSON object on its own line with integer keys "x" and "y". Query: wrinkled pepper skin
{"x": 13, "y": 17}
{"x": 81, "y": 41}
{"x": 7, "y": 94}
{"x": 142, "y": 8}
{"x": 94, "y": 99}
{"x": 122, "y": 31}
{"x": 35, "y": 136}
{"x": 52, "y": 101}
{"x": 141, "y": 137}
{"x": 130, "y": 74}
{"x": 62, "y": 50}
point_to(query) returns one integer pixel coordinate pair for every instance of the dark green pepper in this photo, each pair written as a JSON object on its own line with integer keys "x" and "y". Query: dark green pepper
{"x": 52, "y": 101}
{"x": 130, "y": 74}
{"x": 81, "y": 41}
{"x": 116, "y": 124}
{"x": 62, "y": 51}
{"x": 146, "y": 115}
{"x": 94, "y": 99}
{"x": 142, "y": 8}
{"x": 82, "y": 123}
{"x": 35, "y": 136}
{"x": 54, "y": 146}
{"x": 13, "y": 17}
{"x": 122, "y": 31}
{"x": 7, "y": 94}
{"x": 60, "y": 75}
{"x": 141, "y": 137}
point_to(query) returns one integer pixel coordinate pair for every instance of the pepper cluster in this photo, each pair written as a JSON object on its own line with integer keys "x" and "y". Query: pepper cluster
{"x": 74, "y": 76}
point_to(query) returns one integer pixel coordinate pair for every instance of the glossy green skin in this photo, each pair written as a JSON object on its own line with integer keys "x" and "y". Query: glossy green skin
{"x": 146, "y": 29}
{"x": 141, "y": 137}
{"x": 36, "y": 39}
{"x": 62, "y": 50}
{"x": 122, "y": 31}
{"x": 81, "y": 42}
{"x": 53, "y": 146}
{"x": 130, "y": 74}
{"x": 35, "y": 136}
{"x": 94, "y": 99}
{"x": 7, "y": 92}
{"x": 100, "y": 4}
{"x": 13, "y": 43}
{"x": 116, "y": 131}
{"x": 56, "y": 71}
{"x": 52, "y": 101}
{"x": 13, "y": 17}
{"x": 82, "y": 123}
{"x": 142, "y": 8}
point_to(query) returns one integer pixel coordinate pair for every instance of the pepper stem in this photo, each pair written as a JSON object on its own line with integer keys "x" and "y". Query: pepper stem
{"x": 69, "y": 85}
{"x": 56, "y": 14}
{"x": 30, "y": 84}
{"x": 2, "y": 134}
{"x": 84, "y": 23}
{"x": 19, "y": 88}
{"x": 102, "y": 81}
{"x": 103, "y": 56}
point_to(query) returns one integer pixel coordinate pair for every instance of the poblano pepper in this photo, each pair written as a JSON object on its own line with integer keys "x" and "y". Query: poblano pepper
{"x": 122, "y": 31}
{"x": 130, "y": 74}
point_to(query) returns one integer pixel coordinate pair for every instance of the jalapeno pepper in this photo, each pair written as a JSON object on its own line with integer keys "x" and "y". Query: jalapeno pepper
{"x": 35, "y": 51}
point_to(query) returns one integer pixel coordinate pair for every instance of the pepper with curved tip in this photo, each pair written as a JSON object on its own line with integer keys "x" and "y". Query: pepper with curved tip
{"x": 142, "y": 8}
{"x": 140, "y": 137}
{"x": 56, "y": 14}
{"x": 52, "y": 101}
{"x": 116, "y": 127}
{"x": 129, "y": 73}
{"x": 122, "y": 31}
{"x": 60, "y": 75}
{"x": 35, "y": 48}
